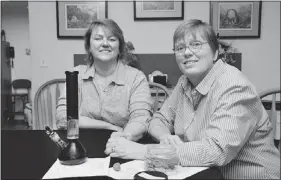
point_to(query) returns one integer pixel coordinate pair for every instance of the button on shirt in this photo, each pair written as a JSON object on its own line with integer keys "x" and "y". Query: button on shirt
{"x": 119, "y": 103}
{"x": 222, "y": 123}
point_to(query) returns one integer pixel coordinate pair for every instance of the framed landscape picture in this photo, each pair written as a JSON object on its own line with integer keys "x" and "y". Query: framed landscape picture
{"x": 241, "y": 19}
{"x": 158, "y": 10}
{"x": 74, "y": 17}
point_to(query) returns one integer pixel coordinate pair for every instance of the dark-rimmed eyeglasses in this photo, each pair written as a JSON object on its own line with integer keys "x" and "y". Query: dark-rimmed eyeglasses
{"x": 193, "y": 46}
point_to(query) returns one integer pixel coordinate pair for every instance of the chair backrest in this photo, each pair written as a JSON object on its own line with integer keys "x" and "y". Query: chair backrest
{"x": 272, "y": 112}
{"x": 159, "y": 94}
{"x": 21, "y": 87}
{"x": 45, "y": 104}
{"x": 21, "y": 84}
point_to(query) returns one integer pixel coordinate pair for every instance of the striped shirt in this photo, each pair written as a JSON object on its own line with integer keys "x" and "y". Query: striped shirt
{"x": 122, "y": 102}
{"x": 222, "y": 123}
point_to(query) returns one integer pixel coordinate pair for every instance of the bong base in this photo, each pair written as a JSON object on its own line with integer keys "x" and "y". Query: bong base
{"x": 73, "y": 161}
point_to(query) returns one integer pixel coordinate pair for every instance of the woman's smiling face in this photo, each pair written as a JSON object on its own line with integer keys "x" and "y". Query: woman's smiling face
{"x": 104, "y": 46}
{"x": 196, "y": 58}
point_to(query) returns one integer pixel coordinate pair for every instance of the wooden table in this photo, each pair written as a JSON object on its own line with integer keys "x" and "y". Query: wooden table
{"x": 29, "y": 154}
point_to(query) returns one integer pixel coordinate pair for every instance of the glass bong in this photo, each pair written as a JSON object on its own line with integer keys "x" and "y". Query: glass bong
{"x": 72, "y": 152}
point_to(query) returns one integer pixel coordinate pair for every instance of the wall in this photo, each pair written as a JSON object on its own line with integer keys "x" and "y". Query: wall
{"x": 15, "y": 22}
{"x": 57, "y": 54}
{"x": 260, "y": 57}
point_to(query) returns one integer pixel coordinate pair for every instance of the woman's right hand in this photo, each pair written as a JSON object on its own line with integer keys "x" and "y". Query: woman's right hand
{"x": 173, "y": 140}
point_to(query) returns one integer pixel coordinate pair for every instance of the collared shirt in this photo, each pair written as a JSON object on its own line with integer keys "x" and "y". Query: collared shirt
{"x": 222, "y": 123}
{"x": 119, "y": 103}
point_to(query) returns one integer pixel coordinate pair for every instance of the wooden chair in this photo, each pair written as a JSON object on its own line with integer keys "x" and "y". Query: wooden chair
{"x": 21, "y": 92}
{"x": 272, "y": 113}
{"x": 159, "y": 94}
{"x": 45, "y": 104}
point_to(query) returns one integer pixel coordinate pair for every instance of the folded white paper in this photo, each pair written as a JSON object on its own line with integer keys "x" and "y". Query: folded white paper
{"x": 100, "y": 167}
{"x": 92, "y": 167}
{"x": 129, "y": 169}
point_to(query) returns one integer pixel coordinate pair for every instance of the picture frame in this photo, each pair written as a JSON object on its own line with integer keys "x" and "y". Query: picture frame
{"x": 238, "y": 19}
{"x": 158, "y": 10}
{"x": 73, "y": 17}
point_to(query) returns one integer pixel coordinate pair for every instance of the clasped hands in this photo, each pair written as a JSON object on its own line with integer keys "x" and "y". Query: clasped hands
{"x": 120, "y": 145}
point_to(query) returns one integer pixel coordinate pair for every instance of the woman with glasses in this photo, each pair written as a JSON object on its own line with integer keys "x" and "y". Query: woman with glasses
{"x": 214, "y": 116}
{"x": 112, "y": 95}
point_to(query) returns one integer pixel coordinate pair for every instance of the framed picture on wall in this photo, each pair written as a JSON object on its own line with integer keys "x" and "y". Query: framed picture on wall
{"x": 73, "y": 17}
{"x": 236, "y": 19}
{"x": 158, "y": 10}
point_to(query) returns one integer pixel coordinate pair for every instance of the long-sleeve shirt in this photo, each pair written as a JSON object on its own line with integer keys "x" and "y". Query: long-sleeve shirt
{"x": 222, "y": 123}
{"x": 121, "y": 103}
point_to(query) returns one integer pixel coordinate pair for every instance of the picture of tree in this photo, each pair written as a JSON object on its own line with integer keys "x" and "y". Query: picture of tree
{"x": 80, "y": 16}
{"x": 74, "y": 17}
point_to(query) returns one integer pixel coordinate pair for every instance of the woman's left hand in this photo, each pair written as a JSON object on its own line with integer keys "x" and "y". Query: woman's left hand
{"x": 125, "y": 149}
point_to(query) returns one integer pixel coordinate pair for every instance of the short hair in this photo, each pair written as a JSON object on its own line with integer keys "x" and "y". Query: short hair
{"x": 110, "y": 26}
{"x": 194, "y": 26}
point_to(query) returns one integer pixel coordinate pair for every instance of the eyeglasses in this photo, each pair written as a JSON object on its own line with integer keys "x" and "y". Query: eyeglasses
{"x": 193, "y": 46}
